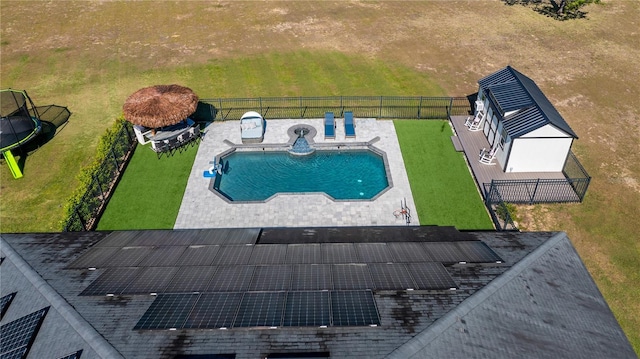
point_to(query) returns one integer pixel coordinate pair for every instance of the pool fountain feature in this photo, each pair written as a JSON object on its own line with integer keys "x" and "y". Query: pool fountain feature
{"x": 301, "y": 146}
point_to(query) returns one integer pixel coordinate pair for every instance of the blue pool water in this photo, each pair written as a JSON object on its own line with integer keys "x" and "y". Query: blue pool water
{"x": 343, "y": 175}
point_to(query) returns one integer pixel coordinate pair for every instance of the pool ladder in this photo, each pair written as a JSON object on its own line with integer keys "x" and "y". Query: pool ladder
{"x": 404, "y": 211}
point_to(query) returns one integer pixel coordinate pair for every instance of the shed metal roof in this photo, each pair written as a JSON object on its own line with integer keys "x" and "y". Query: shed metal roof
{"x": 523, "y": 122}
{"x": 510, "y": 96}
{"x": 510, "y": 90}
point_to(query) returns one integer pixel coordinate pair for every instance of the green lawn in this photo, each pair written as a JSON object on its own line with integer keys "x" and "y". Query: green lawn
{"x": 150, "y": 191}
{"x": 443, "y": 189}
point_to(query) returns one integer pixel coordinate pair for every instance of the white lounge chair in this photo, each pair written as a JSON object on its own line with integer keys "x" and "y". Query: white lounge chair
{"x": 252, "y": 127}
{"x": 487, "y": 156}
{"x": 475, "y": 123}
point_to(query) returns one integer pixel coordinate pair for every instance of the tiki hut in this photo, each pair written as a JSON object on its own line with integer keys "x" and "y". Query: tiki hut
{"x": 160, "y": 105}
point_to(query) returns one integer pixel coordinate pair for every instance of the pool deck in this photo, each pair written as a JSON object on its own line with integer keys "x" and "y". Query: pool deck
{"x": 202, "y": 208}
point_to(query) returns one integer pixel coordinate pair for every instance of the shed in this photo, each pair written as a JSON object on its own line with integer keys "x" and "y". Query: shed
{"x": 526, "y": 130}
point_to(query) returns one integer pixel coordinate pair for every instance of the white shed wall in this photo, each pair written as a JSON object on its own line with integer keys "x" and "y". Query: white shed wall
{"x": 546, "y": 131}
{"x": 538, "y": 154}
{"x": 502, "y": 154}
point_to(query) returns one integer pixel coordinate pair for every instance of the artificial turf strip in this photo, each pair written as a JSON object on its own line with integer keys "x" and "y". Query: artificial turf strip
{"x": 443, "y": 190}
{"x": 150, "y": 191}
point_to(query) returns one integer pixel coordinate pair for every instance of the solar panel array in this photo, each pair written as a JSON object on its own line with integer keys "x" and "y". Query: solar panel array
{"x": 113, "y": 246}
{"x": 327, "y": 266}
{"x": 325, "y": 253}
{"x": 282, "y": 277}
{"x": 260, "y": 309}
{"x": 5, "y": 301}
{"x": 223, "y": 279}
{"x": 18, "y": 335}
{"x": 222, "y": 236}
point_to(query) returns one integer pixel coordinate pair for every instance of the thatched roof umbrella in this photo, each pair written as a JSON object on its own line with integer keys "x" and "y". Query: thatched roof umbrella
{"x": 160, "y": 105}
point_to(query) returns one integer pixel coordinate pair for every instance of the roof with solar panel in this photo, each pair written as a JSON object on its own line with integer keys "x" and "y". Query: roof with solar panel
{"x": 308, "y": 292}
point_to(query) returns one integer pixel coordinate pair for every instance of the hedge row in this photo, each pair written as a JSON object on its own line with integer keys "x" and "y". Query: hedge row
{"x": 96, "y": 181}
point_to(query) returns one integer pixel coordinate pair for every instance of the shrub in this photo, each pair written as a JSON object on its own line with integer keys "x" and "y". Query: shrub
{"x": 506, "y": 211}
{"x": 95, "y": 180}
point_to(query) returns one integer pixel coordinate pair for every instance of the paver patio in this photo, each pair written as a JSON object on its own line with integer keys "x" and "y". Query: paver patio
{"x": 202, "y": 208}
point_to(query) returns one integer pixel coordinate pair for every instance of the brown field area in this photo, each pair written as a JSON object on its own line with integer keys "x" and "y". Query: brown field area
{"x": 90, "y": 56}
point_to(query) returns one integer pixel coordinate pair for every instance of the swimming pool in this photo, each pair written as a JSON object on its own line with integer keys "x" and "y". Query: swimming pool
{"x": 251, "y": 176}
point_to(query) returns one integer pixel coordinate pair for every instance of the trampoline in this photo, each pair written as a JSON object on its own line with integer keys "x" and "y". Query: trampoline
{"x": 19, "y": 124}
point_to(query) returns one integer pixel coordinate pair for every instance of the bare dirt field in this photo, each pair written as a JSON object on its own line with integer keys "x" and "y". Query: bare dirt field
{"x": 91, "y": 55}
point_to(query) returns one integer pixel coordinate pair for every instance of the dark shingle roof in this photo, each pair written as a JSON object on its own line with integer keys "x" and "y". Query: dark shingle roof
{"x": 58, "y": 260}
{"x": 529, "y": 304}
{"x": 510, "y": 90}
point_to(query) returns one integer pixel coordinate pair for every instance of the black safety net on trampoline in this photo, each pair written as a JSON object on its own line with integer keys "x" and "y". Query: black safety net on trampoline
{"x": 15, "y": 129}
{"x": 17, "y": 121}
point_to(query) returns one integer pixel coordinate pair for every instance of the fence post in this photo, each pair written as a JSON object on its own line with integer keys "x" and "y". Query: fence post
{"x": 584, "y": 184}
{"x": 126, "y": 128}
{"x": 450, "y": 104}
{"x": 420, "y": 108}
{"x": 535, "y": 190}
{"x": 84, "y": 225}
{"x": 99, "y": 185}
{"x": 489, "y": 194}
{"x": 260, "y": 98}
{"x": 380, "y": 109}
{"x": 115, "y": 158}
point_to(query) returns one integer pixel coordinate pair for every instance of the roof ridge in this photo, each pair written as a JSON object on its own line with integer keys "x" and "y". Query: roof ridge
{"x": 84, "y": 329}
{"x": 428, "y": 335}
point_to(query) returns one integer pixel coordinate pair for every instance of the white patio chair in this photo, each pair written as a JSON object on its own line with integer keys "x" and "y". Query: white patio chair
{"x": 487, "y": 156}
{"x": 141, "y": 133}
{"x": 475, "y": 123}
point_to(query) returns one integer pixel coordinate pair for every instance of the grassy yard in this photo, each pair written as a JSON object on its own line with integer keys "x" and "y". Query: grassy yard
{"x": 323, "y": 74}
{"x": 443, "y": 189}
{"x": 150, "y": 191}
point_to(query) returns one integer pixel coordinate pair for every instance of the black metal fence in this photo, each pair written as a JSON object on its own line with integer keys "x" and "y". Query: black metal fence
{"x": 576, "y": 175}
{"x": 87, "y": 209}
{"x": 395, "y": 107}
{"x": 570, "y": 189}
{"x": 501, "y": 216}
